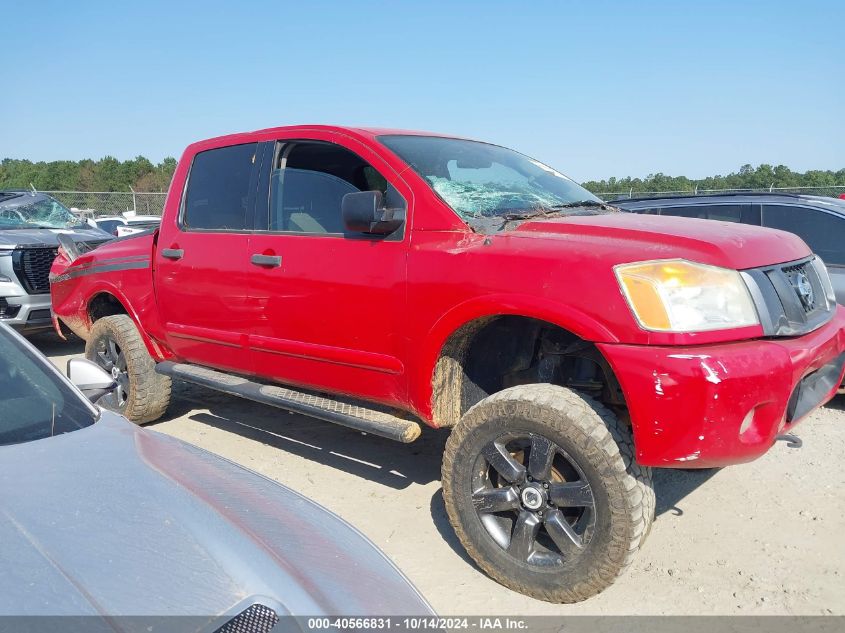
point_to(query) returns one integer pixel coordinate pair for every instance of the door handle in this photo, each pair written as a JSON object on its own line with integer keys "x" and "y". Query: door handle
{"x": 271, "y": 261}
{"x": 172, "y": 253}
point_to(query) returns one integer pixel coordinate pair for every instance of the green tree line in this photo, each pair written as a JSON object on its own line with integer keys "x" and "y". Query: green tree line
{"x": 106, "y": 174}
{"x": 748, "y": 177}
{"x": 110, "y": 174}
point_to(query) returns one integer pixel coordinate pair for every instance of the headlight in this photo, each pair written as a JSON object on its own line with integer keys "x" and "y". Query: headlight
{"x": 681, "y": 296}
{"x": 3, "y": 278}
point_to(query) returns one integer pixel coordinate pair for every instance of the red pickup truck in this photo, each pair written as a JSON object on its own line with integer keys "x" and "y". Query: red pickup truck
{"x": 382, "y": 279}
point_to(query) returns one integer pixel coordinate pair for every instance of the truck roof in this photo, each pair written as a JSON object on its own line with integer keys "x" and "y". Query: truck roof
{"x": 367, "y": 132}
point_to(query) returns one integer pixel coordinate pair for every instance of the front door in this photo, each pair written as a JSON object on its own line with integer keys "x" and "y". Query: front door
{"x": 201, "y": 259}
{"x": 329, "y": 305}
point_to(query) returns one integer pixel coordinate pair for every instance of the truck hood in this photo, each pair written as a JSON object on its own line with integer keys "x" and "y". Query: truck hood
{"x": 10, "y": 238}
{"x": 118, "y": 520}
{"x": 638, "y": 237}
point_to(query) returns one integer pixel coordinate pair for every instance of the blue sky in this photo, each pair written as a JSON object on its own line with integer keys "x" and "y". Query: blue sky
{"x": 594, "y": 88}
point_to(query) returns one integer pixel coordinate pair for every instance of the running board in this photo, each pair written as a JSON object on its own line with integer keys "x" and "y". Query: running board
{"x": 356, "y": 417}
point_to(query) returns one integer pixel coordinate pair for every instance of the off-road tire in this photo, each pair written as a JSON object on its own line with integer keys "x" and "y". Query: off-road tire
{"x": 590, "y": 434}
{"x": 149, "y": 392}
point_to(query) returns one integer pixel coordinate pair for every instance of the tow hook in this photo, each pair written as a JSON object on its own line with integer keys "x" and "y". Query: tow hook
{"x": 792, "y": 441}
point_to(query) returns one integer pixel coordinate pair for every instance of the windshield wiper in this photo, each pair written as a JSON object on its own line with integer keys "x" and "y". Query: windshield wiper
{"x": 526, "y": 215}
{"x": 555, "y": 209}
{"x": 583, "y": 203}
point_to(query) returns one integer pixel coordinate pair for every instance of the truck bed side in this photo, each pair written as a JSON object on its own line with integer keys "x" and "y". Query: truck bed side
{"x": 115, "y": 278}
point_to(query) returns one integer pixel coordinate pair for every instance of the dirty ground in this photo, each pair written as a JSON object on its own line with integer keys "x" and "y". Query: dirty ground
{"x": 762, "y": 538}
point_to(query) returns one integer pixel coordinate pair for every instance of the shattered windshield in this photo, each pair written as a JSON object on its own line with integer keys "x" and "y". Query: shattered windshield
{"x": 35, "y": 211}
{"x": 487, "y": 184}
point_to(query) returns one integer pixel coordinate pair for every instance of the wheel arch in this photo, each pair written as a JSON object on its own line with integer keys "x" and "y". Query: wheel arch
{"x": 445, "y": 381}
{"x": 107, "y": 300}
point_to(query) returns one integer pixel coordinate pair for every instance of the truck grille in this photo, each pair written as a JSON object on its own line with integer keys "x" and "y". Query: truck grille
{"x": 791, "y": 299}
{"x": 806, "y": 284}
{"x": 32, "y": 266}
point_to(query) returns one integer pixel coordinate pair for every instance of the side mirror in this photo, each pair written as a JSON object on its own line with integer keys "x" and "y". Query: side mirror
{"x": 92, "y": 380}
{"x": 362, "y": 213}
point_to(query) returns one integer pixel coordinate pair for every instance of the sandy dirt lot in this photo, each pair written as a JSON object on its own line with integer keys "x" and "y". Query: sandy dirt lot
{"x": 762, "y": 538}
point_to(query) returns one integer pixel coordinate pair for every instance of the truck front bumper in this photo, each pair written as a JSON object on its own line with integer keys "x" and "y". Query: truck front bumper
{"x": 715, "y": 405}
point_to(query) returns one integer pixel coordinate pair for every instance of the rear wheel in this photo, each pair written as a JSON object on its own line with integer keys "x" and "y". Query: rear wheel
{"x": 141, "y": 394}
{"x": 542, "y": 489}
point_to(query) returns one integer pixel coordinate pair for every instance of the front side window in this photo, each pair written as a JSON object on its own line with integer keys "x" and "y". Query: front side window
{"x": 36, "y": 211}
{"x": 823, "y": 232}
{"x": 309, "y": 181}
{"x": 479, "y": 180}
{"x": 34, "y": 402}
{"x": 217, "y": 197}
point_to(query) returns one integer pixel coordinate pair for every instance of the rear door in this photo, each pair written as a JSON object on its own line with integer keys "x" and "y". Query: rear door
{"x": 202, "y": 272}
{"x": 329, "y": 305}
{"x": 823, "y": 231}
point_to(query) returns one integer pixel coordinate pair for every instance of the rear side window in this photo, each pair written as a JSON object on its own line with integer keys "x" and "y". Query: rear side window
{"x": 218, "y": 194}
{"x": 823, "y": 232}
{"x": 723, "y": 212}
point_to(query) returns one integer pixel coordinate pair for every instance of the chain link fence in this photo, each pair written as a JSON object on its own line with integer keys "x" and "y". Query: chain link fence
{"x": 833, "y": 192}
{"x": 99, "y": 203}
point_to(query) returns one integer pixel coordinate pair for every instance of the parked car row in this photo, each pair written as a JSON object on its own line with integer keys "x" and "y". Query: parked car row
{"x": 120, "y": 225}
{"x": 30, "y": 223}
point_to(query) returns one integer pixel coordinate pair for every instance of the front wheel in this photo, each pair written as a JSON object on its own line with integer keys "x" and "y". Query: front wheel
{"x": 141, "y": 395}
{"x": 541, "y": 487}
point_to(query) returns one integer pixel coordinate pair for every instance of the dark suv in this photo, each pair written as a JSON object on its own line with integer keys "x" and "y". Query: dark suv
{"x": 819, "y": 221}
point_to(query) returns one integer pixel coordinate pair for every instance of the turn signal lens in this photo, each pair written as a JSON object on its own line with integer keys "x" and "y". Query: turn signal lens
{"x": 682, "y": 296}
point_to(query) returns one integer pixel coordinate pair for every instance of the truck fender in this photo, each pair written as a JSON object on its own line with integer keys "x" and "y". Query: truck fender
{"x": 564, "y": 316}
{"x": 156, "y": 351}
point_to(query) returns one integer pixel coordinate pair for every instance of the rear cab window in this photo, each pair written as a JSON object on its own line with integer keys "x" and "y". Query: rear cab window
{"x": 221, "y": 189}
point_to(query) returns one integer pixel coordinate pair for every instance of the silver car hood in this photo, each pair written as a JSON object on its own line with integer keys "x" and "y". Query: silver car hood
{"x": 118, "y": 520}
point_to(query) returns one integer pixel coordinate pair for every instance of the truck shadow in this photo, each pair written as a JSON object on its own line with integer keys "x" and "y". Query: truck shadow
{"x": 673, "y": 486}
{"x": 49, "y": 344}
{"x": 838, "y": 403}
{"x": 371, "y": 457}
{"x": 670, "y": 487}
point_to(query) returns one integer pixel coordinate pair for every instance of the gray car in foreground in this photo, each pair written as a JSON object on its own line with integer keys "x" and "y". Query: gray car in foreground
{"x": 99, "y": 517}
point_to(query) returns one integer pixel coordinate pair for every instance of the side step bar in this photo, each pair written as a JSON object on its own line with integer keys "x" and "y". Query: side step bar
{"x": 354, "y": 416}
